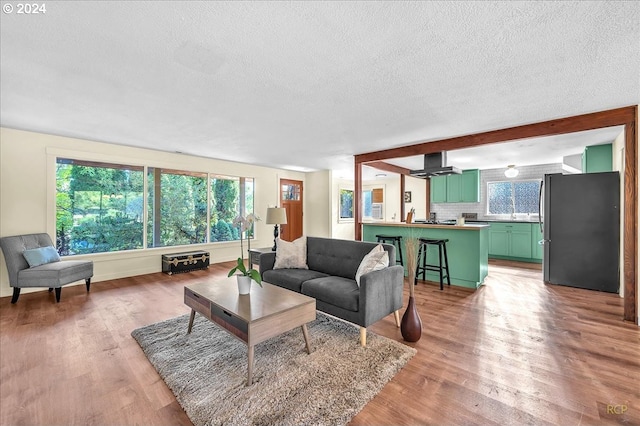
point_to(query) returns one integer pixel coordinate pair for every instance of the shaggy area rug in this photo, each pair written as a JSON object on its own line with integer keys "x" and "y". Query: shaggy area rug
{"x": 207, "y": 372}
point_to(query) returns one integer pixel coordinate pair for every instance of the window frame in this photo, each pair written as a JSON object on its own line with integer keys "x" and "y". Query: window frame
{"x": 513, "y": 182}
{"x": 53, "y": 154}
{"x": 371, "y": 189}
{"x": 345, "y": 219}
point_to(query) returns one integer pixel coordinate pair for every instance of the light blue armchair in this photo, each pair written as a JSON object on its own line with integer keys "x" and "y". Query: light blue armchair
{"x": 33, "y": 262}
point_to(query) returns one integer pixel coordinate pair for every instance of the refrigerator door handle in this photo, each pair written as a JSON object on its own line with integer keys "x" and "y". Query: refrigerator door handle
{"x": 540, "y": 206}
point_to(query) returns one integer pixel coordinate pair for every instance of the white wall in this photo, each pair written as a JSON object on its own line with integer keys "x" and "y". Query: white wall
{"x": 418, "y": 188}
{"x": 27, "y": 195}
{"x": 318, "y": 209}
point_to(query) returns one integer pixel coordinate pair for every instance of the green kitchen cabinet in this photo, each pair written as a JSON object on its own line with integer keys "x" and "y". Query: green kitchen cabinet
{"x": 597, "y": 158}
{"x": 521, "y": 242}
{"x": 470, "y": 186}
{"x": 510, "y": 240}
{"x": 454, "y": 188}
{"x": 498, "y": 242}
{"x": 462, "y": 188}
{"x": 536, "y": 236}
{"x": 439, "y": 189}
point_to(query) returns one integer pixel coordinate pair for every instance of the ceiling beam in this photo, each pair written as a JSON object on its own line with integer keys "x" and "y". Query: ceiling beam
{"x": 578, "y": 123}
{"x": 381, "y": 165}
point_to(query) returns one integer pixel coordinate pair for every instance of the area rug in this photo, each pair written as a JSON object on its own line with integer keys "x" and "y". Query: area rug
{"x": 207, "y": 372}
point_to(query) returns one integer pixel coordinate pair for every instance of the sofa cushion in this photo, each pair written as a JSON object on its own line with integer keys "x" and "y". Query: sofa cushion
{"x": 290, "y": 279}
{"x": 340, "y": 257}
{"x": 291, "y": 254}
{"x": 337, "y": 291}
{"x": 55, "y": 274}
{"x": 41, "y": 256}
{"x": 375, "y": 260}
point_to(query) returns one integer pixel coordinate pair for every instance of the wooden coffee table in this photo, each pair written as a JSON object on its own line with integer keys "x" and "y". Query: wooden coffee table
{"x": 253, "y": 318}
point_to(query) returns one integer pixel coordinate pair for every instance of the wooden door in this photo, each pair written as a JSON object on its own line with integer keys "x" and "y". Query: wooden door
{"x": 291, "y": 200}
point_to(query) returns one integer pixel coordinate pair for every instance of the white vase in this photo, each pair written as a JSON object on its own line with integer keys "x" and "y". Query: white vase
{"x": 244, "y": 284}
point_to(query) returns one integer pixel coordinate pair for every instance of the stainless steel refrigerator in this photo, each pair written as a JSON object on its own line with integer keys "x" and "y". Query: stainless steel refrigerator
{"x": 581, "y": 229}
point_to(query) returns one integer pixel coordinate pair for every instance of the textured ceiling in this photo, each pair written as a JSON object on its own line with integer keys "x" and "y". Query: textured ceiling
{"x": 306, "y": 85}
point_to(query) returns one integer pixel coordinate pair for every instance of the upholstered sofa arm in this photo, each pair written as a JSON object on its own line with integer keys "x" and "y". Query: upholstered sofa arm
{"x": 380, "y": 293}
{"x": 267, "y": 260}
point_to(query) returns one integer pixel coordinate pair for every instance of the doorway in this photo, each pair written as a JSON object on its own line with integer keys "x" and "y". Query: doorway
{"x": 291, "y": 198}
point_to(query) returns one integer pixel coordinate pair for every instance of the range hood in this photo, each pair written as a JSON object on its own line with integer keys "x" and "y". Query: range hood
{"x": 434, "y": 165}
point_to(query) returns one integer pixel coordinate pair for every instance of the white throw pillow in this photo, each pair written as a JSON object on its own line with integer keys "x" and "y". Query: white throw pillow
{"x": 291, "y": 255}
{"x": 375, "y": 260}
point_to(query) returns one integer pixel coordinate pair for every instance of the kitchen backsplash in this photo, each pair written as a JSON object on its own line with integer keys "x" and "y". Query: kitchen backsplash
{"x": 447, "y": 211}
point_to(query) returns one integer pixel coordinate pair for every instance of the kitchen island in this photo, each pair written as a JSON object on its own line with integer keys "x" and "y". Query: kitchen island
{"x": 468, "y": 247}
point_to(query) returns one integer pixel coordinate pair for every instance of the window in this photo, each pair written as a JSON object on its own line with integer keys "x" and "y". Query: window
{"x": 346, "y": 204}
{"x": 372, "y": 203}
{"x": 231, "y": 196}
{"x": 99, "y": 207}
{"x": 177, "y": 207}
{"x": 513, "y": 197}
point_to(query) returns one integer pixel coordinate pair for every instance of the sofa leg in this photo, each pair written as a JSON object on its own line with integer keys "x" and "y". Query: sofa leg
{"x": 58, "y": 291}
{"x": 88, "y": 281}
{"x": 16, "y": 294}
{"x": 363, "y": 336}
{"x": 50, "y": 289}
{"x": 396, "y": 315}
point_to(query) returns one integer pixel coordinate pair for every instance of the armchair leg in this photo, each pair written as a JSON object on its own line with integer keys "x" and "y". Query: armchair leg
{"x": 16, "y": 294}
{"x": 88, "y": 281}
{"x": 363, "y": 336}
{"x": 396, "y": 315}
{"x": 58, "y": 291}
{"x": 50, "y": 289}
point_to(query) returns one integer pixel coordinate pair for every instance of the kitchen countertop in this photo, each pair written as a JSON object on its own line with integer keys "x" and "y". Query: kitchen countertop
{"x": 500, "y": 220}
{"x": 467, "y": 226}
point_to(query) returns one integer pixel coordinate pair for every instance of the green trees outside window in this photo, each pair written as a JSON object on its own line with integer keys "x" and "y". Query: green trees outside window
{"x": 100, "y": 207}
{"x": 231, "y": 197}
{"x": 177, "y": 207}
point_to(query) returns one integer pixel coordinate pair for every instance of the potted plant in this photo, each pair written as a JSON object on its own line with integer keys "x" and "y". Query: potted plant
{"x": 246, "y": 275}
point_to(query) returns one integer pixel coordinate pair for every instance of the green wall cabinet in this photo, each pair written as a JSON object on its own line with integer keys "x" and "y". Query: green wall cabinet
{"x": 597, "y": 158}
{"x": 439, "y": 189}
{"x": 470, "y": 186}
{"x": 511, "y": 240}
{"x": 462, "y": 188}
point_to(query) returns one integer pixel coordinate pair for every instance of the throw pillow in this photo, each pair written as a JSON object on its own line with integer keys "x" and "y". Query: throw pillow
{"x": 375, "y": 260}
{"x": 41, "y": 256}
{"x": 291, "y": 255}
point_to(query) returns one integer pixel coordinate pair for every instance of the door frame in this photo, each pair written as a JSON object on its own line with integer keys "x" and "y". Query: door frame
{"x": 625, "y": 116}
{"x": 286, "y": 181}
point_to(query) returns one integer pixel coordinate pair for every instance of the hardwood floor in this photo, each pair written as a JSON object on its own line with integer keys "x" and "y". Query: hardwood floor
{"x": 515, "y": 351}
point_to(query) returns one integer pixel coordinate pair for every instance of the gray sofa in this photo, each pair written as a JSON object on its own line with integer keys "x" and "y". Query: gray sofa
{"x": 330, "y": 279}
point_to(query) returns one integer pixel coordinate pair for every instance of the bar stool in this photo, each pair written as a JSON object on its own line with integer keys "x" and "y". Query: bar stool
{"x": 422, "y": 268}
{"x": 396, "y": 240}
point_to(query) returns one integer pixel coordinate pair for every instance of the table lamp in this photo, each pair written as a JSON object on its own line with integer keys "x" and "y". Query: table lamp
{"x": 276, "y": 216}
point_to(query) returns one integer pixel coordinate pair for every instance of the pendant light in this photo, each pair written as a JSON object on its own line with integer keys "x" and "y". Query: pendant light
{"x": 511, "y": 171}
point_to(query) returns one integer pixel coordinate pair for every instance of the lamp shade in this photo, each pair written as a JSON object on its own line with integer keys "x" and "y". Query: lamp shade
{"x": 511, "y": 171}
{"x": 276, "y": 216}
